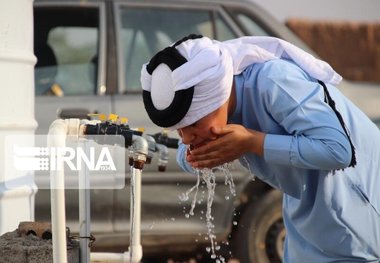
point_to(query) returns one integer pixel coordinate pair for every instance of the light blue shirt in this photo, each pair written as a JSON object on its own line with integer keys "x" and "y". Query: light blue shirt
{"x": 331, "y": 215}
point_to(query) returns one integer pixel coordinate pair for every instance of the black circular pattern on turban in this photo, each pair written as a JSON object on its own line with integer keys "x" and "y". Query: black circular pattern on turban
{"x": 182, "y": 98}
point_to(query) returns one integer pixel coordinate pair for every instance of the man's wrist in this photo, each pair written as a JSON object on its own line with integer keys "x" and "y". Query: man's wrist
{"x": 257, "y": 142}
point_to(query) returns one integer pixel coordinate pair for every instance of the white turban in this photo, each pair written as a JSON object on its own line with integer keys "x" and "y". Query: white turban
{"x": 210, "y": 68}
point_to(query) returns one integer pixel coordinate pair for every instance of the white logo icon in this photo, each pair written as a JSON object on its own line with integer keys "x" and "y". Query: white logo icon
{"x": 54, "y": 158}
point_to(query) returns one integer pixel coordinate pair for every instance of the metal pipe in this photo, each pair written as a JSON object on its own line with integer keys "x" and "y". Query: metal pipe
{"x": 163, "y": 152}
{"x": 151, "y": 147}
{"x": 163, "y": 157}
{"x": 84, "y": 210}
{"x": 140, "y": 145}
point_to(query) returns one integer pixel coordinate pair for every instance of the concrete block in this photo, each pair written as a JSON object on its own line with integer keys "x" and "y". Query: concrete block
{"x": 31, "y": 243}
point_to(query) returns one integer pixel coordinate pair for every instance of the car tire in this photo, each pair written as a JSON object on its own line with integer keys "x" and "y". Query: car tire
{"x": 260, "y": 233}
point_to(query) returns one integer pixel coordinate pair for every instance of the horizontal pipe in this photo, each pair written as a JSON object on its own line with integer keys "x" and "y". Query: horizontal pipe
{"x": 109, "y": 257}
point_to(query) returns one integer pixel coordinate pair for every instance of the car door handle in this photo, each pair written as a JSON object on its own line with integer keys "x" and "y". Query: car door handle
{"x": 76, "y": 113}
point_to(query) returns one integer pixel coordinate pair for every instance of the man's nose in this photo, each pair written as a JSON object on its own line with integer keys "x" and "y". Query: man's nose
{"x": 187, "y": 135}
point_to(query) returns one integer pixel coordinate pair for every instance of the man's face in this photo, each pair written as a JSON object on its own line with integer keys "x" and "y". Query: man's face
{"x": 199, "y": 133}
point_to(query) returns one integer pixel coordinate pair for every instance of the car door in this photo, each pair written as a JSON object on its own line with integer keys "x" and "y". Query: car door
{"x": 142, "y": 30}
{"x": 69, "y": 42}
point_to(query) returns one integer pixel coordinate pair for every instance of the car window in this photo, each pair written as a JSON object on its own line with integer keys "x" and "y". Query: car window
{"x": 144, "y": 31}
{"x": 66, "y": 46}
{"x": 253, "y": 28}
{"x": 249, "y": 21}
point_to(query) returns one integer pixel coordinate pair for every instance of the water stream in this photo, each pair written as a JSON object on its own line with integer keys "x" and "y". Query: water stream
{"x": 207, "y": 177}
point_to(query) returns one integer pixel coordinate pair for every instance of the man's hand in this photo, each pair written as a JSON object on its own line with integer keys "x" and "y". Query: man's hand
{"x": 232, "y": 142}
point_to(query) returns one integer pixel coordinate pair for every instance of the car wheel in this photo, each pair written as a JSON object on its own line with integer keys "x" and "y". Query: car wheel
{"x": 260, "y": 233}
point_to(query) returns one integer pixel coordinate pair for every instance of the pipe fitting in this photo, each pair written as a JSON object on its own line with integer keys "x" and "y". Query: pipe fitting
{"x": 151, "y": 148}
{"x": 163, "y": 157}
{"x": 140, "y": 145}
{"x": 141, "y": 150}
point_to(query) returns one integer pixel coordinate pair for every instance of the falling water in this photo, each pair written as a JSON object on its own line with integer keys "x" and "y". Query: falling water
{"x": 185, "y": 196}
{"x": 249, "y": 168}
{"x": 208, "y": 178}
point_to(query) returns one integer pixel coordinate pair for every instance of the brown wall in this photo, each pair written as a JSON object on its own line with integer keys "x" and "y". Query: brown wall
{"x": 352, "y": 49}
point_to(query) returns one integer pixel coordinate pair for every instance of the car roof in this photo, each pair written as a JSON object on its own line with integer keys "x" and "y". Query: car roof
{"x": 248, "y": 5}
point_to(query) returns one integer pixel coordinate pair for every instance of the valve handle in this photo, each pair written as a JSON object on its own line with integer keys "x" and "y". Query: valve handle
{"x": 99, "y": 116}
{"x": 123, "y": 120}
{"x": 113, "y": 117}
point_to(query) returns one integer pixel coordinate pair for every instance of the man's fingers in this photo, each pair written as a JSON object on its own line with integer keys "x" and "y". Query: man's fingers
{"x": 212, "y": 146}
{"x": 207, "y": 163}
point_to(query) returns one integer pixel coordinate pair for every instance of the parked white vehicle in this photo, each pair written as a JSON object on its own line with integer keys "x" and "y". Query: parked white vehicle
{"x": 89, "y": 59}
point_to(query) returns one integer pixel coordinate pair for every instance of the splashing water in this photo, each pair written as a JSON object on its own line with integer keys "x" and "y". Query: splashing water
{"x": 249, "y": 168}
{"x": 208, "y": 178}
{"x": 185, "y": 196}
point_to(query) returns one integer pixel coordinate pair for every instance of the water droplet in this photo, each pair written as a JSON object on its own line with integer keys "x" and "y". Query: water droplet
{"x": 213, "y": 256}
{"x": 227, "y": 197}
{"x": 183, "y": 197}
{"x": 208, "y": 249}
{"x": 235, "y": 223}
{"x": 187, "y": 215}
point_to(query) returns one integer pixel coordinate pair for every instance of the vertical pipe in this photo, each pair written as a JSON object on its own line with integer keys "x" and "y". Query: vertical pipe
{"x": 135, "y": 248}
{"x": 16, "y": 105}
{"x": 84, "y": 209}
{"x": 57, "y": 139}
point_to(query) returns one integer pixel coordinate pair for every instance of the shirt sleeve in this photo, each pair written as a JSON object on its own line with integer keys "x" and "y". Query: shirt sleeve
{"x": 181, "y": 158}
{"x": 313, "y": 137}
